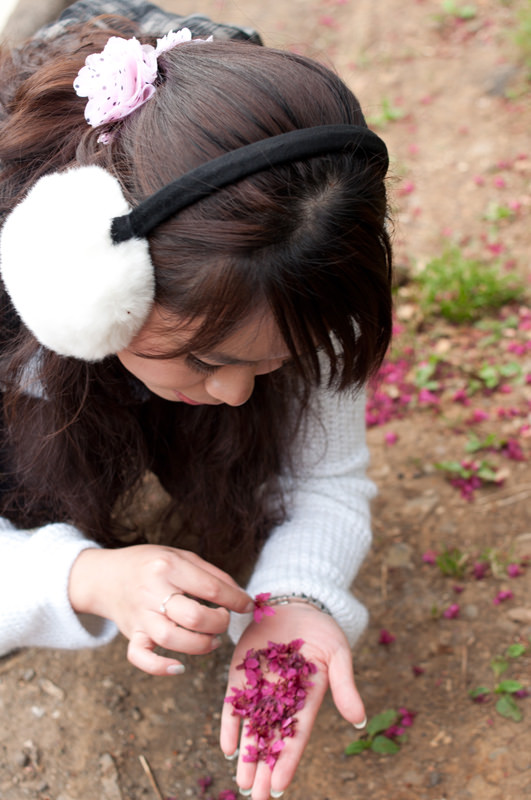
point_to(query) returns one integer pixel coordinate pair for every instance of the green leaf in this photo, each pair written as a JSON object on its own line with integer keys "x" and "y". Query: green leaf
{"x": 508, "y": 686}
{"x": 450, "y": 466}
{"x": 496, "y": 212}
{"x": 354, "y": 748}
{"x": 425, "y": 374}
{"x": 381, "y": 721}
{"x": 489, "y": 375}
{"x": 475, "y": 444}
{"x": 486, "y": 472}
{"x": 515, "y": 650}
{"x": 467, "y": 12}
{"x": 381, "y": 744}
{"x": 452, "y": 562}
{"x": 511, "y": 369}
{"x": 506, "y": 706}
{"x": 473, "y": 386}
{"x": 499, "y": 665}
{"x": 479, "y": 691}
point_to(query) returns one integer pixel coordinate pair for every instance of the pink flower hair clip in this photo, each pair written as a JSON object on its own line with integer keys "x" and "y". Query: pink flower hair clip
{"x": 121, "y": 78}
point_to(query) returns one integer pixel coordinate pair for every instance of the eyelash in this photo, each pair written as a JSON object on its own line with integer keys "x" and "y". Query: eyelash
{"x": 200, "y": 366}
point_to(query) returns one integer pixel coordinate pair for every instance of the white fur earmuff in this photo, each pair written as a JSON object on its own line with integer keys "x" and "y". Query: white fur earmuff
{"x": 78, "y": 292}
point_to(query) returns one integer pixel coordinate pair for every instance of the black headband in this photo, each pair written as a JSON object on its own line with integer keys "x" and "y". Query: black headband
{"x": 83, "y": 281}
{"x": 241, "y": 163}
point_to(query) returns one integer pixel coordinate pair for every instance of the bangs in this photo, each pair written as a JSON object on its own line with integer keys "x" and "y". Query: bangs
{"x": 214, "y": 303}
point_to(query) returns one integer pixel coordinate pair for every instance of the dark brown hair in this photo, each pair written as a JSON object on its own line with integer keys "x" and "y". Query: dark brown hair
{"x": 307, "y": 240}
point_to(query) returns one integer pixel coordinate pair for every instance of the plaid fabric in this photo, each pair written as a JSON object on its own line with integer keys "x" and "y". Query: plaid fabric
{"x": 153, "y": 21}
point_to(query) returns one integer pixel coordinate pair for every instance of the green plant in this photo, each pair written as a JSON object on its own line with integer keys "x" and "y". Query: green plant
{"x": 495, "y": 329}
{"x": 452, "y": 562}
{"x": 425, "y": 374}
{"x": 496, "y": 212}
{"x": 506, "y": 691}
{"x": 385, "y": 733}
{"x": 389, "y": 113}
{"x": 497, "y": 562}
{"x": 462, "y": 289}
{"x": 468, "y": 476}
{"x": 522, "y": 35}
{"x": 452, "y": 9}
{"x": 492, "y": 375}
{"x": 489, "y": 442}
{"x": 460, "y": 469}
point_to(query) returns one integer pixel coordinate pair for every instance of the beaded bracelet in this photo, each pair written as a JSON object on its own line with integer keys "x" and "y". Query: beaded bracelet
{"x": 286, "y": 599}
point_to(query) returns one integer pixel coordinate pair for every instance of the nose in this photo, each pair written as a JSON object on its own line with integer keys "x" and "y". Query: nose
{"x": 232, "y": 385}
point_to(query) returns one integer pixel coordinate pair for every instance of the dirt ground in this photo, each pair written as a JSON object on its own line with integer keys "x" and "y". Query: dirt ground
{"x": 451, "y": 99}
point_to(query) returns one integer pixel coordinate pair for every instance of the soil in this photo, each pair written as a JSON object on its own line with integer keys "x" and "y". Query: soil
{"x": 76, "y": 725}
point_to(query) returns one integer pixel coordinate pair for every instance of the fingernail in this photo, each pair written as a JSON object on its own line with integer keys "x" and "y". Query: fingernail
{"x": 175, "y": 669}
{"x": 249, "y": 607}
{"x": 245, "y": 792}
{"x": 216, "y": 641}
{"x": 276, "y": 794}
{"x": 360, "y": 725}
{"x": 233, "y": 756}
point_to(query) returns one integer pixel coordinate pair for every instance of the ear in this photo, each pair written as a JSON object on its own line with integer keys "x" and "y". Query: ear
{"x": 77, "y": 291}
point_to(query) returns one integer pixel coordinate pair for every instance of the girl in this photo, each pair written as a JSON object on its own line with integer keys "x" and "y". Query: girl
{"x": 196, "y": 286}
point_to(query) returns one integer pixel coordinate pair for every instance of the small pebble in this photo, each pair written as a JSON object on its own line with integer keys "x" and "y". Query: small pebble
{"x": 21, "y": 759}
{"x": 434, "y": 778}
{"x": 471, "y": 611}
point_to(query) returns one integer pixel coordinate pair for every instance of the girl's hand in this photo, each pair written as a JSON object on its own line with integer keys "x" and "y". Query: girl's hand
{"x": 325, "y": 645}
{"x": 153, "y": 595}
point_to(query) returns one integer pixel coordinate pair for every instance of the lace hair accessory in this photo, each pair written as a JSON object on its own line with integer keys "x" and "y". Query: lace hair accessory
{"x": 74, "y": 256}
{"x": 121, "y": 78}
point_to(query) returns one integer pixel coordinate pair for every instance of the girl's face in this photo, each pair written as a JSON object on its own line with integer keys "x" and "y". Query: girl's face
{"x": 223, "y": 375}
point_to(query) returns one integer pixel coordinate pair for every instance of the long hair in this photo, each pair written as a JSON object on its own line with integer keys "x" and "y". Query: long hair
{"x": 308, "y": 241}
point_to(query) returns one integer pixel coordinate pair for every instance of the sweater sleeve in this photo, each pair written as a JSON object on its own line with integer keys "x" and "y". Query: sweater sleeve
{"x": 319, "y": 549}
{"x": 35, "y": 610}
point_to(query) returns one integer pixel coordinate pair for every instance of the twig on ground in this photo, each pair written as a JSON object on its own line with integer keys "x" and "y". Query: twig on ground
{"x": 464, "y": 663}
{"x": 508, "y": 500}
{"x": 511, "y": 494}
{"x": 147, "y": 769}
{"x": 384, "y": 582}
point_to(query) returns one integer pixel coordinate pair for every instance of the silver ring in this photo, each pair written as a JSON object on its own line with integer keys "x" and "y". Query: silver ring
{"x": 166, "y": 600}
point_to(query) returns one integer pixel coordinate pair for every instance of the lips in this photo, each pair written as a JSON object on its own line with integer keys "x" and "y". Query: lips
{"x": 184, "y": 399}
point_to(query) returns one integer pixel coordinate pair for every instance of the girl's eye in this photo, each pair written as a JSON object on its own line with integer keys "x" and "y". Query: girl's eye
{"x": 200, "y": 366}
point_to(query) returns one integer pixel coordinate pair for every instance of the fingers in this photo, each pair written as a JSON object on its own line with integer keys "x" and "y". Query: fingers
{"x": 140, "y": 654}
{"x": 263, "y": 780}
{"x": 188, "y": 613}
{"x": 258, "y": 776}
{"x": 170, "y": 636}
{"x": 327, "y": 647}
{"x": 188, "y": 555}
{"x": 196, "y": 577}
{"x": 342, "y": 685}
{"x": 140, "y": 651}
{"x": 165, "y": 633}
{"x": 230, "y": 729}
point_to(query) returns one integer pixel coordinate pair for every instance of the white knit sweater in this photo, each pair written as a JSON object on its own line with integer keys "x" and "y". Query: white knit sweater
{"x": 317, "y": 551}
